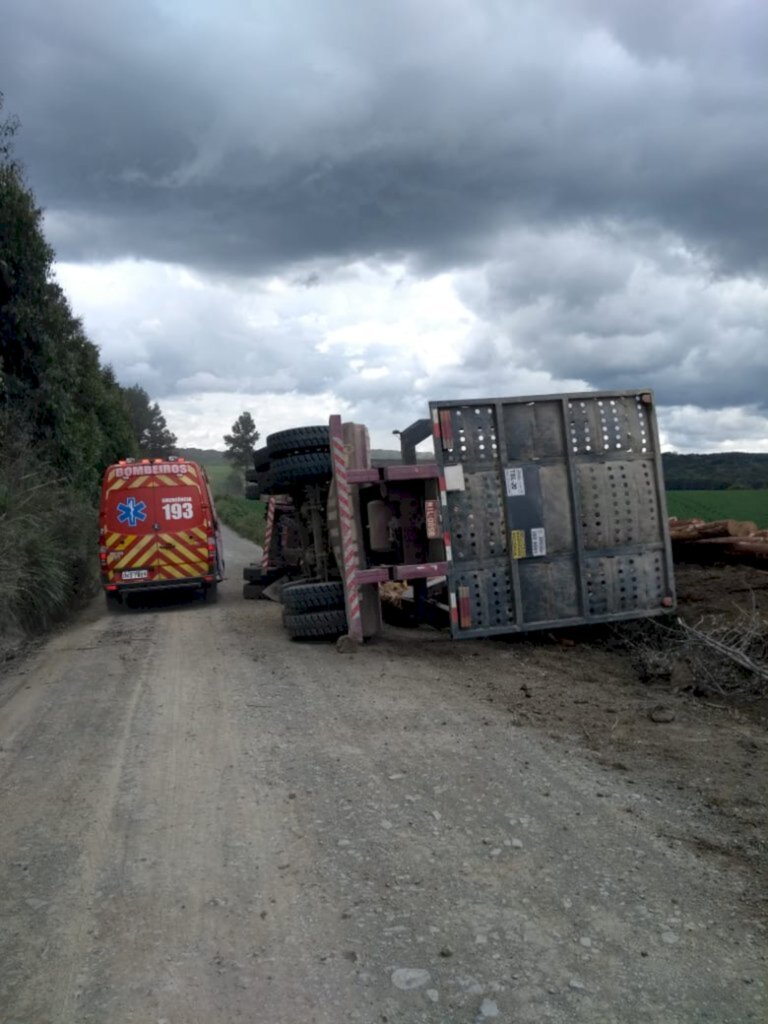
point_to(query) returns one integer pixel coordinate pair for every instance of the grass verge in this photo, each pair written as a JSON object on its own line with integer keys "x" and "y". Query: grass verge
{"x": 243, "y": 516}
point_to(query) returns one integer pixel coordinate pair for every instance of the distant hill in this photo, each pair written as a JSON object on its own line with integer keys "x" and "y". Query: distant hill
{"x": 210, "y": 456}
{"x": 718, "y": 471}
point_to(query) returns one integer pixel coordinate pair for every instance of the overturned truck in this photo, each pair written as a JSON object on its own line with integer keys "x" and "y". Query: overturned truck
{"x": 534, "y": 513}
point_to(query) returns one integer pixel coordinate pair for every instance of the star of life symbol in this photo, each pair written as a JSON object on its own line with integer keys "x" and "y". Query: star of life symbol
{"x": 131, "y": 511}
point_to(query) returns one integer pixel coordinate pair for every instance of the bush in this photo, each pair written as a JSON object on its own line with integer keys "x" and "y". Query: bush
{"x": 233, "y": 484}
{"x": 47, "y": 545}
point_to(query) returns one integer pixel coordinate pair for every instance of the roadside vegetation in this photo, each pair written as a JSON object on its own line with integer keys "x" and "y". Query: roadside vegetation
{"x": 63, "y": 419}
{"x": 243, "y": 516}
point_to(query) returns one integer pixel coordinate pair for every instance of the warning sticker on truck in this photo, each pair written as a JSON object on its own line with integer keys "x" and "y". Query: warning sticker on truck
{"x": 538, "y": 542}
{"x": 515, "y": 482}
{"x": 517, "y": 543}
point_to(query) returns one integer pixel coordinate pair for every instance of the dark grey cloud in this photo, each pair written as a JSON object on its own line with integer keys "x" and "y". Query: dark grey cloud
{"x": 591, "y": 174}
{"x": 618, "y": 310}
{"x": 257, "y": 137}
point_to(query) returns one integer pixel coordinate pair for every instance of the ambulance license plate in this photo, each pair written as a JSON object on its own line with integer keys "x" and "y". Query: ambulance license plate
{"x": 135, "y": 574}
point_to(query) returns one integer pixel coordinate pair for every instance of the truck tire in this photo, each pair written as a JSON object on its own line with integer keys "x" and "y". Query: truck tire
{"x": 252, "y": 591}
{"x": 260, "y": 460}
{"x": 309, "y": 597}
{"x": 267, "y": 485}
{"x": 316, "y": 624}
{"x": 304, "y": 468}
{"x": 252, "y": 492}
{"x": 300, "y": 439}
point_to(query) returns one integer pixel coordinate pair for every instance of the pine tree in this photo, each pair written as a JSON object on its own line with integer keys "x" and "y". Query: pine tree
{"x": 154, "y": 437}
{"x": 242, "y": 441}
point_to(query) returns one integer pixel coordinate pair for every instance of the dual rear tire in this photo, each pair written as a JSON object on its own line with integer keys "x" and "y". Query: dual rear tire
{"x": 314, "y": 610}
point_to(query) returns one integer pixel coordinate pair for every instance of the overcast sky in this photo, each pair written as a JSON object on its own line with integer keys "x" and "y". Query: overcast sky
{"x": 314, "y": 206}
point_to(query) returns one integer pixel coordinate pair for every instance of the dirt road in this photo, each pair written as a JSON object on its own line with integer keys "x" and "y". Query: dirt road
{"x": 203, "y": 823}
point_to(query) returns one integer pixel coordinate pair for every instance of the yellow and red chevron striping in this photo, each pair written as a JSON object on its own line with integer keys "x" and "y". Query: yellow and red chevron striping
{"x": 131, "y": 554}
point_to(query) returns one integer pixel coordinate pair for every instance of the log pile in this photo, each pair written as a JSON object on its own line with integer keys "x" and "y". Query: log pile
{"x": 723, "y": 540}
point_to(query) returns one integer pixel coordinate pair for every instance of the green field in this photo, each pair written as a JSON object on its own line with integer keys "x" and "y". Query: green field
{"x": 243, "y": 516}
{"x": 749, "y": 505}
{"x": 219, "y": 474}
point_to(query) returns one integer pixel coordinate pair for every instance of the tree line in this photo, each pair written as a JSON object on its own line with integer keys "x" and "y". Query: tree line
{"x": 63, "y": 419}
{"x": 718, "y": 471}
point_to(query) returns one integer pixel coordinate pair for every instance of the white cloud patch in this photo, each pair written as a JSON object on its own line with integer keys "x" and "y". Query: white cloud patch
{"x": 573, "y": 309}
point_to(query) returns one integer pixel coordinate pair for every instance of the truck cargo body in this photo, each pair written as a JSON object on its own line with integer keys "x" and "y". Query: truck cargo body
{"x": 536, "y": 512}
{"x": 554, "y": 511}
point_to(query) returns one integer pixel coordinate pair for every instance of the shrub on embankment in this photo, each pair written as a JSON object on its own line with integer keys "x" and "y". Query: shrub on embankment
{"x": 47, "y": 547}
{"x": 63, "y": 419}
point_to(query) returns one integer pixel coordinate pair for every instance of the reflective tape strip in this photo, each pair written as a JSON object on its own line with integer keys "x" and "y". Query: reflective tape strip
{"x": 454, "y": 609}
{"x": 268, "y": 535}
{"x": 435, "y": 424}
{"x": 446, "y": 428}
{"x": 443, "y": 491}
{"x": 448, "y": 548}
{"x": 349, "y": 551}
{"x": 465, "y": 610}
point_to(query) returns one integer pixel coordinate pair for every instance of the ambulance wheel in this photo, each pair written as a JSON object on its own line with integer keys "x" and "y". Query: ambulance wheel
{"x": 316, "y": 624}
{"x": 300, "y": 439}
{"x": 312, "y": 597}
{"x": 114, "y": 601}
{"x": 211, "y": 592}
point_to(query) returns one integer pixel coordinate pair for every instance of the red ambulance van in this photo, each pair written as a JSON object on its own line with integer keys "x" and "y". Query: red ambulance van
{"x": 158, "y": 528}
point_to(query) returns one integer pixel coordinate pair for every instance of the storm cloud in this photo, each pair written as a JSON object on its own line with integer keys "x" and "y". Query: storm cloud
{"x": 587, "y": 177}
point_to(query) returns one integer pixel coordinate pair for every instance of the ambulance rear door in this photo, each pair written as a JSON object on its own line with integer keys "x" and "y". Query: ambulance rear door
{"x": 182, "y": 528}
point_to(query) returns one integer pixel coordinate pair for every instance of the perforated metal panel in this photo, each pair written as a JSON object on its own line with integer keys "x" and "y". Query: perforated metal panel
{"x": 561, "y": 517}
